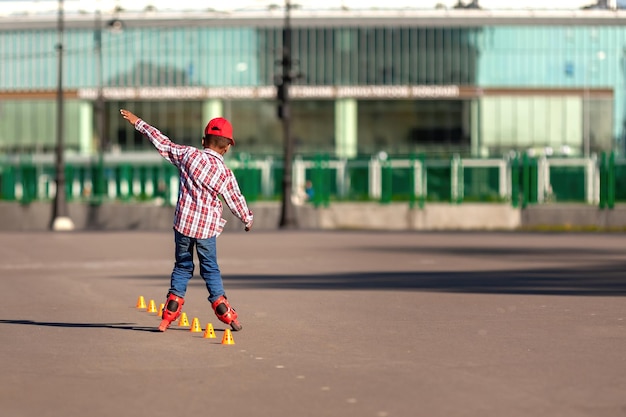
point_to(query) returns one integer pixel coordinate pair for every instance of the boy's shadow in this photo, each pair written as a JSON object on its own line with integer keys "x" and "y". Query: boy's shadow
{"x": 119, "y": 326}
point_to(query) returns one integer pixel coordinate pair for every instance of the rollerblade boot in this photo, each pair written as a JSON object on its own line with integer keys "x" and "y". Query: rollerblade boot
{"x": 171, "y": 311}
{"x": 225, "y": 313}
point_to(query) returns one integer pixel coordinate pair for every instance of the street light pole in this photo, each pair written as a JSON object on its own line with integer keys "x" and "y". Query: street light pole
{"x": 586, "y": 104}
{"x": 599, "y": 57}
{"x": 98, "y": 179}
{"x": 288, "y": 214}
{"x": 60, "y": 218}
{"x": 102, "y": 142}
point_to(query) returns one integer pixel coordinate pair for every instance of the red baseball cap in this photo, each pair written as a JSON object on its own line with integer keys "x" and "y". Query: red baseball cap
{"x": 220, "y": 127}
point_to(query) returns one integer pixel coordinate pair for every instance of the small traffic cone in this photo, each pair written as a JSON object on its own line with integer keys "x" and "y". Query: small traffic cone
{"x": 195, "y": 325}
{"x": 209, "y": 333}
{"x": 183, "y": 321}
{"x": 141, "y": 302}
{"x": 152, "y": 307}
{"x": 161, "y": 307}
{"x": 228, "y": 338}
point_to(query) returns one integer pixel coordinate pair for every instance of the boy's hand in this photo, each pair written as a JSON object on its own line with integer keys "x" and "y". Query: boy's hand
{"x": 248, "y": 226}
{"x": 132, "y": 119}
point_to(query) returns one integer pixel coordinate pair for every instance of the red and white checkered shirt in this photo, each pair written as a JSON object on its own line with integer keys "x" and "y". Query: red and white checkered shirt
{"x": 203, "y": 178}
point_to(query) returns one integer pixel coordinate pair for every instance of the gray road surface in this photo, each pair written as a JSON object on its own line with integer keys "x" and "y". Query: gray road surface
{"x": 335, "y": 324}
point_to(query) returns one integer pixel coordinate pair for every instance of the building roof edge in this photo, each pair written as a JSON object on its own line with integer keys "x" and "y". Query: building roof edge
{"x": 326, "y": 18}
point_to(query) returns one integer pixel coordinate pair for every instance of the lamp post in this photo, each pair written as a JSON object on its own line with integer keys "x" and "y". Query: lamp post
{"x": 587, "y": 139}
{"x": 60, "y": 218}
{"x": 102, "y": 142}
{"x": 288, "y": 214}
{"x": 98, "y": 178}
{"x": 600, "y": 56}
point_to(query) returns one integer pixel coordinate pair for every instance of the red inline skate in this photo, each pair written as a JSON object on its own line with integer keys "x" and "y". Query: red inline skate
{"x": 171, "y": 311}
{"x": 225, "y": 313}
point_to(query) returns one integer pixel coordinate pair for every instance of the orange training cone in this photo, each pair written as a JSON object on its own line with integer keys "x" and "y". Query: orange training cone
{"x": 209, "y": 333}
{"x": 183, "y": 321}
{"x": 161, "y": 307}
{"x": 152, "y": 307}
{"x": 141, "y": 302}
{"x": 195, "y": 325}
{"x": 228, "y": 338}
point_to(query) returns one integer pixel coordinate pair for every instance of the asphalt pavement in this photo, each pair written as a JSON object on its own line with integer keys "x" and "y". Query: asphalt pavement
{"x": 337, "y": 324}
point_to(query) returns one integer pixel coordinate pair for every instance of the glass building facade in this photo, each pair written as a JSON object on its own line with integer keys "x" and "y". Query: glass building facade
{"x": 363, "y": 85}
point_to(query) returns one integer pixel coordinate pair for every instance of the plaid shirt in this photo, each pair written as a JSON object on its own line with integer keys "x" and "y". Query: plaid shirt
{"x": 203, "y": 178}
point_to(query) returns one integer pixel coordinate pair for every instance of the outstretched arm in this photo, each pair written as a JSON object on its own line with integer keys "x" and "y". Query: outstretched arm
{"x": 169, "y": 150}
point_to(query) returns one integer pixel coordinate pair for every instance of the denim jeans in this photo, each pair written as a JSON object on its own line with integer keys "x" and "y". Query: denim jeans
{"x": 184, "y": 266}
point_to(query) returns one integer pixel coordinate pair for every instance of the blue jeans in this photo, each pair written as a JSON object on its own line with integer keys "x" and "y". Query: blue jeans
{"x": 184, "y": 266}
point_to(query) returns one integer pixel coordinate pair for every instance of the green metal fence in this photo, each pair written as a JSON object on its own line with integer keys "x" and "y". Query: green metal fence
{"x": 416, "y": 179}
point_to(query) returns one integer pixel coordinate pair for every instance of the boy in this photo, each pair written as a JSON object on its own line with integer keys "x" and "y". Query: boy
{"x": 198, "y": 216}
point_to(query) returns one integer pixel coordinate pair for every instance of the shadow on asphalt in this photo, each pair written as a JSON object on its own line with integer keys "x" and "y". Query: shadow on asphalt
{"x": 605, "y": 280}
{"x": 519, "y": 282}
{"x": 509, "y": 253}
{"x": 579, "y": 272}
{"x": 120, "y": 326}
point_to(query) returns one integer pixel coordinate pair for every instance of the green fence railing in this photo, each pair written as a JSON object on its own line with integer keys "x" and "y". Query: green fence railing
{"x": 416, "y": 179}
